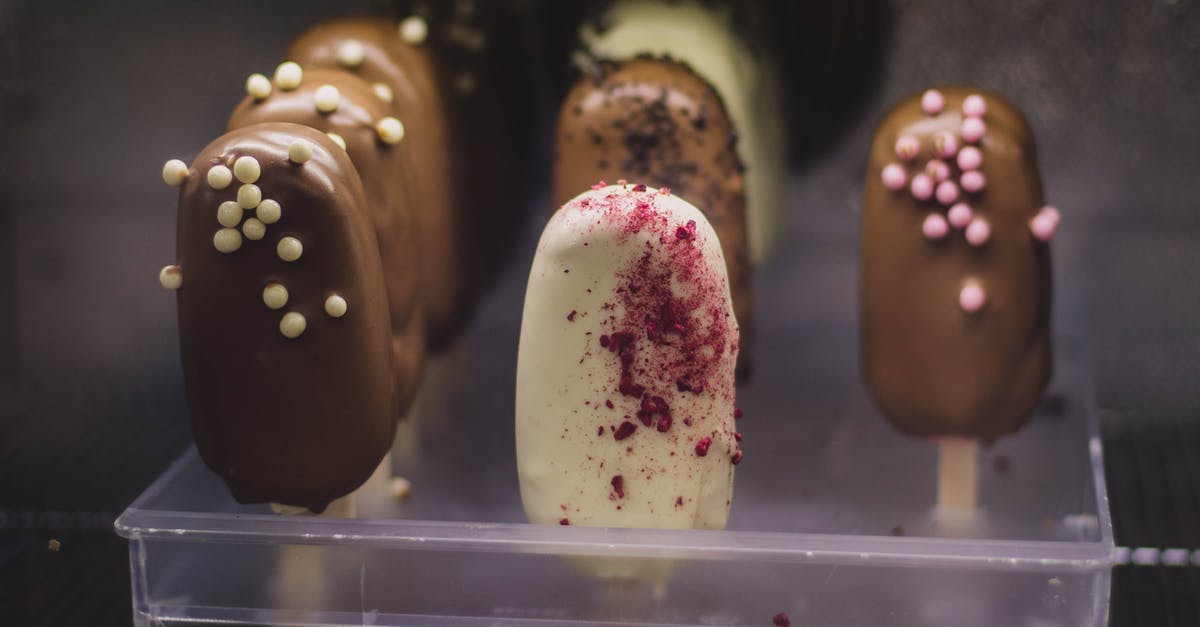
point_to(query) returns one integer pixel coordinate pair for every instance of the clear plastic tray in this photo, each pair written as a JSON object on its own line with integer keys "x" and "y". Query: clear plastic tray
{"x": 832, "y": 521}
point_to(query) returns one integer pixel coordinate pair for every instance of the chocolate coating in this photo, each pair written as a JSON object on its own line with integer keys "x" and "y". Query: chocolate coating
{"x": 384, "y": 170}
{"x": 303, "y": 420}
{"x": 654, "y": 121}
{"x": 446, "y": 281}
{"x": 932, "y": 368}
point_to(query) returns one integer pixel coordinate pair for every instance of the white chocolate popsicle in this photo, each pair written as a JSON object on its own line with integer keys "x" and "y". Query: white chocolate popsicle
{"x": 625, "y": 376}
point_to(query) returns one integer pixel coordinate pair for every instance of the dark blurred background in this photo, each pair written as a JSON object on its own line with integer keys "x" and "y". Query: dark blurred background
{"x": 95, "y": 96}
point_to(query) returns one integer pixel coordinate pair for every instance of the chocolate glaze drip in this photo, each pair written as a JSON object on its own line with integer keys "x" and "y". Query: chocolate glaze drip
{"x": 654, "y": 121}
{"x": 447, "y": 283}
{"x": 303, "y": 420}
{"x": 384, "y": 170}
{"x": 932, "y": 368}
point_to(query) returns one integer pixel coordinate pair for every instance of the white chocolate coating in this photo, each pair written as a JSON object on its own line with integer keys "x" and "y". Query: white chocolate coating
{"x": 568, "y": 453}
{"x": 706, "y": 41}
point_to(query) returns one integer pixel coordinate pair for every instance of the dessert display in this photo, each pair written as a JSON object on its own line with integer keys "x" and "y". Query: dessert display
{"x": 955, "y": 267}
{"x": 656, "y": 120}
{"x": 625, "y": 374}
{"x": 278, "y": 270}
{"x": 707, "y": 40}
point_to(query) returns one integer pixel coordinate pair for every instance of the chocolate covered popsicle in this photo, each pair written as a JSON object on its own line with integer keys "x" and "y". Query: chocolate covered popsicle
{"x": 393, "y": 58}
{"x": 709, "y": 41}
{"x": 283, "y": 316}
{"x": 955, "y": 267}
{"x": 656, "y": 120}
{"x": 349, "y": 110}
{"x": 625, "y": 376}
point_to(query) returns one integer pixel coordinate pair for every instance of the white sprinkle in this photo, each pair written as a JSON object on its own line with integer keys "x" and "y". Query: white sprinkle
{"x": 219, "y": 177}
{"x": 337, "y": 139}
{"x": 400, "y": 488}
{"x": 268, "y": 211}
{"x": 390, "y": 130}
{"x": 229, "y": 214}
{"x": 170, "y": 277}
{"x": 258, "y": 86}
{"x": 351, "y": 53}
{"x": 413, "y": 30}
{"x": 254, "y": 229}
{"x": 383, "y": 91}
{"x": 227, "y": 240}
{"x": 289, "y": 249}
{"x": 275, "y": 296}
{"x": 335, "y": 306}
{"x": 292, "y": 325}
{"x": 288, "y": 75}
{"x": 300, "y": 151}
{"x": 327, "y": 98}
{"x": 174, "y": 172}
{"x": 249, "y": 196}
{"x": 246, "y": 169}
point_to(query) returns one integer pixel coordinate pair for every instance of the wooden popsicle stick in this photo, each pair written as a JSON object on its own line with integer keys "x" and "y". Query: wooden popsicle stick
{"x": 958, "y": 473}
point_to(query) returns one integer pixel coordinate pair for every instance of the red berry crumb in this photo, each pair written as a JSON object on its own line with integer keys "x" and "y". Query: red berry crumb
{"x": 571, "y": 316}
{"x": 781, "y": 620}
{"x": 679, "y": 501}
{"x": 639, "y": 187}
{"x": 563, "y": 521}
{"x": 618, "y": 484}
{"x": 625, "y": 430}
{"x": 737, "y": 436}
{"x": 702, "y": 446}
{"x": 737, "y": 413}
{"x": 737, "y": 457}
{"x": 608, "y": 404}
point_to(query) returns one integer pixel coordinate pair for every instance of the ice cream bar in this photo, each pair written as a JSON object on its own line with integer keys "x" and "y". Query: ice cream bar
{"x": 348, "y": 109}
{"x": 283, "y": 317}
{"x": 655, "y": 120}
{"x": 625, "y": 376}
{"x": 708, "y": 41}
{"x": 955, "y": 267}
{"x": 401, "y": 71}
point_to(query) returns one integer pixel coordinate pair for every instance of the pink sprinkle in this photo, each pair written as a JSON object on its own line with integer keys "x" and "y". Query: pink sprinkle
{"x": 1043, "y": 226}
{"x": 972, "y": 297}
{"x": 907, "y": 147}
{"x": 932, "y": 102}
{"x": 938, "y": 170}
{"x": 973, "y": 181}
{"x": 969, "y": 158}
{"x": 894, "y": 177}
{"x": 665, "y": 191}
{"x": 600, "y": 185}
{"x": 972, "y": 129}
{"x": 960, "y": 215}
{"x": 978, "y": 232}
{"x": 921, "y": 187}
{"x": 945, "y": 144}
{"x": 974, "y": 106}
{"x": 935, "y": 226}
{"x": 1053, "y": 212}
{"x": 947, "y": 192}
